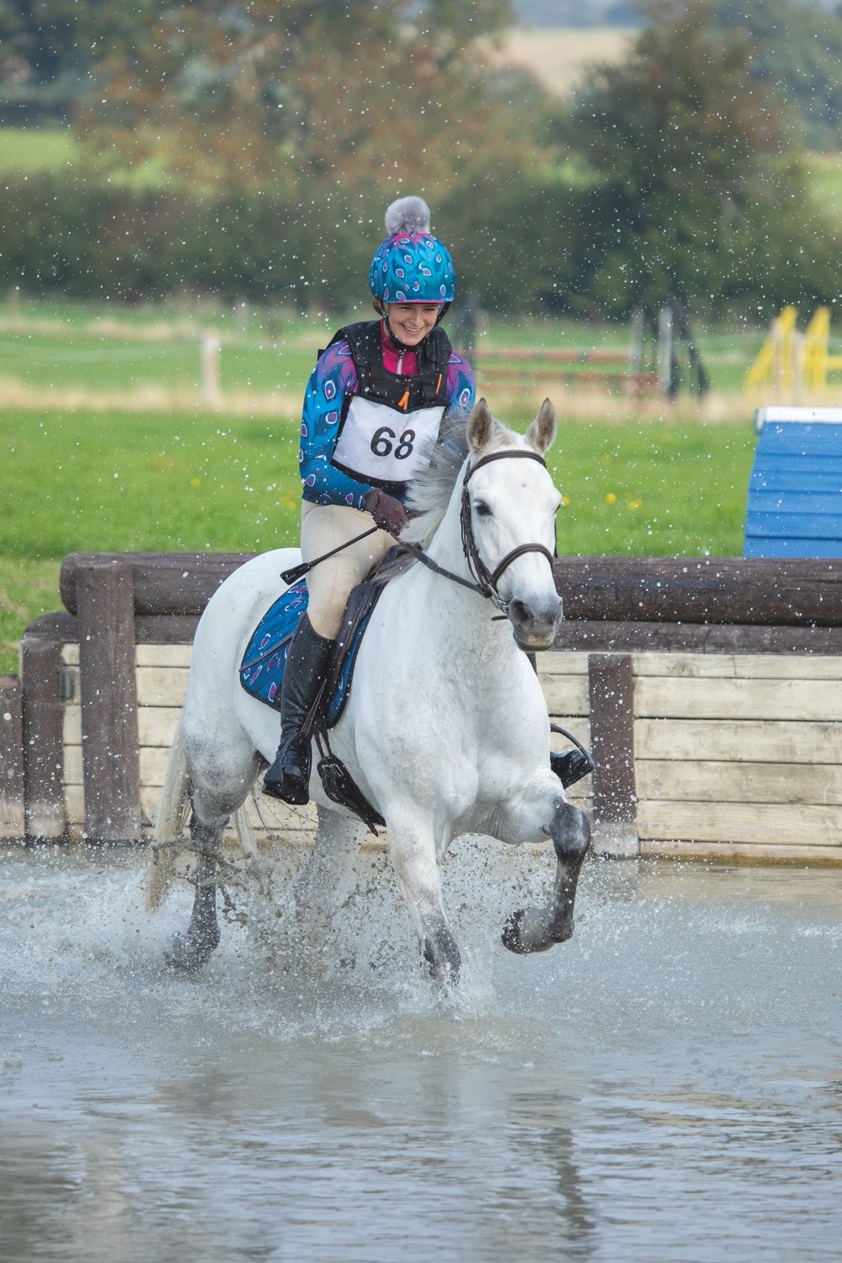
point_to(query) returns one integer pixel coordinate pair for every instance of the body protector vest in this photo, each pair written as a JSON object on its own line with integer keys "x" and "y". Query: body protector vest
{"x": 388, "y": 427}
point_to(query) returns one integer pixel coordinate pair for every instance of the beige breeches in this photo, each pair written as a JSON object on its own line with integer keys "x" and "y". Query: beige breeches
{"x": 324, "y": 526}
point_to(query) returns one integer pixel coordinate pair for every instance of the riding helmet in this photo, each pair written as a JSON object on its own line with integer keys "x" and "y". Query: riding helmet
{"x": 411, "y": 265}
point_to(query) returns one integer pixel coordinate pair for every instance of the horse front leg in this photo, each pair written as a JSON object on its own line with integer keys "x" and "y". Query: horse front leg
{"x": 327, "y": 876}
{"x": 191, "y": 950}
{"x": 537, "y": 928}
{"x": 413, "y": 855}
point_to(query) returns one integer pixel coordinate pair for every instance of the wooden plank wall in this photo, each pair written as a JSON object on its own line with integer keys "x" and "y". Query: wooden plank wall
{"x": 739, "y": 755}
{"x": 735, "y": 755}
{"x": 161, "y": 685}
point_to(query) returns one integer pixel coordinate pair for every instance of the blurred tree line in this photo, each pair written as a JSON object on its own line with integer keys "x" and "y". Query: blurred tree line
{"x": 248, "y": 150}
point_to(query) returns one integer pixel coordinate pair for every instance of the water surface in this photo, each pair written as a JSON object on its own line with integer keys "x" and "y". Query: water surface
{"x": 666, "y": 1086}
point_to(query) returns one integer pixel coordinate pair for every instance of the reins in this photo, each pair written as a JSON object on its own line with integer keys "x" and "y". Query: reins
{"x": 485, "y": 581}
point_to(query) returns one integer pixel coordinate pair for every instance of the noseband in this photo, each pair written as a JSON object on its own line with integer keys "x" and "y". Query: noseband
{"x": 485, "y": 580}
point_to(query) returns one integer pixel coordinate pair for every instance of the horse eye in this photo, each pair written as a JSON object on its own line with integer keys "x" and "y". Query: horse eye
{"x": 482, "y": 509}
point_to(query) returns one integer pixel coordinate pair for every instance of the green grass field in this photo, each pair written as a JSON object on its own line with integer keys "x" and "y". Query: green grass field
{"x": 28, "y": 150}
{"x": 72, "y": 346}
{"x": 155, "y": 481}
{"x": 825, "y": 175}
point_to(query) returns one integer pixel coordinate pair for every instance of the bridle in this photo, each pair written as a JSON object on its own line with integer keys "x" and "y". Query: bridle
{"x": 485, "y": 581}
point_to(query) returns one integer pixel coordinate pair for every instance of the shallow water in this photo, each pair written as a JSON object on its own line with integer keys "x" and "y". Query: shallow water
{"x": 666, "y": 1086}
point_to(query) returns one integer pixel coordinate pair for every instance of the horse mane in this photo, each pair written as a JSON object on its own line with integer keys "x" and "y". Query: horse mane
{"x": 429, "y": 493}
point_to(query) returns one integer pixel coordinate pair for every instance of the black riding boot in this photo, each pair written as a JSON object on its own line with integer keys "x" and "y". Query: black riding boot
{"x": 571, "y": 766}
{"x": 307, "y": 662}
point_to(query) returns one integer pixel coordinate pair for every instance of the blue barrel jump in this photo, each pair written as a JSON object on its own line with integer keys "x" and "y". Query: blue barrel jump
{"x": 795, "y": 489}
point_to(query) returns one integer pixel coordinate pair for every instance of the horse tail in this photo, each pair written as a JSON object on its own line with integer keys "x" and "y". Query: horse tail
{"x": 173, "y": 811}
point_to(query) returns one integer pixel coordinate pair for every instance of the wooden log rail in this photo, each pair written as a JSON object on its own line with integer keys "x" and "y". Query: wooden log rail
{"x": 613, "y": 606}
{"x": 724, "y": 604}
{"x": 694, "y": 590}
{"x": 604, "y": 370}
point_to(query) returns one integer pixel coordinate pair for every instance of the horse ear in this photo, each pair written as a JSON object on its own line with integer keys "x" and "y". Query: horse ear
{"x": 541, "y": 433}
{"x": 480, "y": 426}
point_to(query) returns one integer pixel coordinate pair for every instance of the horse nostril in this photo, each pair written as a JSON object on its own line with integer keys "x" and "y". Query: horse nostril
{"x": 523, "y": 614}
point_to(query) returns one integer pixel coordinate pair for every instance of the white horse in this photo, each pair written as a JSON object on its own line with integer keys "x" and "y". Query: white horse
{"x": 446, "y": 729}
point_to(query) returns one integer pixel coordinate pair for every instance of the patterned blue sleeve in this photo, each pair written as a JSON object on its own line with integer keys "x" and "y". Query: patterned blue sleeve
{"x": 333, "y": 378}
{"x": 460, "y": 383}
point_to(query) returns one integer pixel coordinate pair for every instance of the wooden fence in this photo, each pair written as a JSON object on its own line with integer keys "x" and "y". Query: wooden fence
{"x": 708, "y": 690}
{"x": 603, "y": 371}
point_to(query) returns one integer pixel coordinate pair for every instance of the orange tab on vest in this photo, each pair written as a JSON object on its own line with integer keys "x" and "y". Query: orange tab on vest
{"x": 403, "y": 402}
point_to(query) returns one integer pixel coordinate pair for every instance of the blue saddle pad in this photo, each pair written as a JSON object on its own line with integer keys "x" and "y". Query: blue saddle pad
{"x": 262, "y": 667}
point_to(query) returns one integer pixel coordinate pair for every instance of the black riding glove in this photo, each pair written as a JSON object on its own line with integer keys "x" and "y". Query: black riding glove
{"x": 388, "y": 513}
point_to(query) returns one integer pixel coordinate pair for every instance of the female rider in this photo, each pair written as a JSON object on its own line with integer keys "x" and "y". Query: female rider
{"x": 372, "y": 410}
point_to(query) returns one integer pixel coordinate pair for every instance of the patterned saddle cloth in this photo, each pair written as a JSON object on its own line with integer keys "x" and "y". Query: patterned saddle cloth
{"x": 262, "y": 667}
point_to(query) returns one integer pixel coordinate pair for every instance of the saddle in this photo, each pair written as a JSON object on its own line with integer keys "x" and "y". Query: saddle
{"x": 262, "y": 673}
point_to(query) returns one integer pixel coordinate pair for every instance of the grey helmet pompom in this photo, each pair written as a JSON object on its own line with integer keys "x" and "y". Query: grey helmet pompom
{"x": 408, "y": 214}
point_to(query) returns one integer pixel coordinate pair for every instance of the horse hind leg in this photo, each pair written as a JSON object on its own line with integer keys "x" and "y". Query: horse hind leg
{"x": 191, "y": 950}
{"x": 538, "y": 928}
{"x": 215, "y": 795}
{"x": 327, "y": 876}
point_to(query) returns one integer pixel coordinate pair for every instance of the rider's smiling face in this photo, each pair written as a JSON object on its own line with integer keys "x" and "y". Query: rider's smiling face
{"x": 411, "y": 322}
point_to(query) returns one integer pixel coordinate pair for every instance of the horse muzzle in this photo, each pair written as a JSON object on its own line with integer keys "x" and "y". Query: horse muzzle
{"x": 534, "y": 623}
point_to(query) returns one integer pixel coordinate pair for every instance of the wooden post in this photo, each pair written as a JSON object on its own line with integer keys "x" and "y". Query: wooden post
{"x": 43, "y": 736}
{"x": 665, "y": 350}
{"x": 638, "y": 319}
{"x": 612, "y": 746}
{"x": 12, "y": 816}
{"x": 110, "y": 758}
{"x": 211, "y": 350}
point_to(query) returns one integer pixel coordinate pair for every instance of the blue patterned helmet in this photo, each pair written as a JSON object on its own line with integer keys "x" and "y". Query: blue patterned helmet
{"x": 411, "y": 265}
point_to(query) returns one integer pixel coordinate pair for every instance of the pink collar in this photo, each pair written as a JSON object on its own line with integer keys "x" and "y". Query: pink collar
{"x": 395, "y": 360}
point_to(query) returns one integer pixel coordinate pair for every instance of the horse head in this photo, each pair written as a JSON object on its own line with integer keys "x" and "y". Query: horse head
{"x": 509, "y": 504}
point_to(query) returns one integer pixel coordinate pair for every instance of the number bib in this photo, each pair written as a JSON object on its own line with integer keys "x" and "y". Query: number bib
{"x": 383, "y": 446}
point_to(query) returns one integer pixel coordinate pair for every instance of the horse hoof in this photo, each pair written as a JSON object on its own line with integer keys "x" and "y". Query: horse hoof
{"x": 526, "y": 931}
{"x": 187, "y": 954}
{"x": 511, "y": 934}
{"x": 442, "y": 958}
